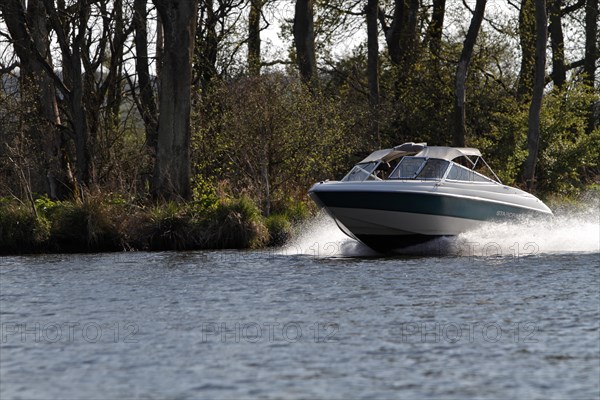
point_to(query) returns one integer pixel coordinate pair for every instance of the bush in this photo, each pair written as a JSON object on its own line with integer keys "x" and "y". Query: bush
{"x": 280, "y": 229}
{"x": 295, "y": 211}
{"x": 21, "y": 231}
{"x": 164, "y": 227}
{"x": 204, "y": 195}
{"x": 569, "y": 155}
{"x": 237, "y": 224}
{"x": 83, "y": 227}
{"x": 269, "y": 137}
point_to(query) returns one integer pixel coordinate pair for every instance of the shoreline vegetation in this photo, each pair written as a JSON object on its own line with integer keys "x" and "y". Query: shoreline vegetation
{"x": 103, "y": 223}
{"x": 110, "y": 224}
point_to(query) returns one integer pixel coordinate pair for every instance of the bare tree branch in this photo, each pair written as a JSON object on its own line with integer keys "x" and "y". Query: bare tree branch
{"x": 10, "y": 68}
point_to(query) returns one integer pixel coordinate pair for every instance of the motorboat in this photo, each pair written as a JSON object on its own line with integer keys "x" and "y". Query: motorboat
{"x": 413, "y": 193}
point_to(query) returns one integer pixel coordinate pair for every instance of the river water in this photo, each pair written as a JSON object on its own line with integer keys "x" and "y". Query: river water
{"x": 504, "y": 312}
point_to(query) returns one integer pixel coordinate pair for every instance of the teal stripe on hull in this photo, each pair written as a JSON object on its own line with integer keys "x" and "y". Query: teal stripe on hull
{"x": 420, "y": 203}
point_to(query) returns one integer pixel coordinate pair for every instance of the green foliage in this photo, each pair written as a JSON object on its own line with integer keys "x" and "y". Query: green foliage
{"x": 20, "y": 230}
{"x": 99, "y": 225}
{"x": 280, "y": 229}
{"x": 585, "y": 202}
{"x": 270, "y": 137}
{"x": 85, "y": 226}
{"x": 504, "y": 146}
{"x": 237, "y": 224}
{"x": 115, "y": 199}
{"x": 44, "y": 205}
{"x": 568, "y": 155}
{"x": 167, "y": 226}
{"x": 296, "y": 211}
{"x": 204, "y": 195}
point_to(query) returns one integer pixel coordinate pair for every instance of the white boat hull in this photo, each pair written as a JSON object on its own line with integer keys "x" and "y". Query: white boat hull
{"x": 386, "y": 215}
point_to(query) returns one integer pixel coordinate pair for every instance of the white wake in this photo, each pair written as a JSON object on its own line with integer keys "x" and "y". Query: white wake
{"x": 567, "y": 232}
{"x": 321, "y": 237}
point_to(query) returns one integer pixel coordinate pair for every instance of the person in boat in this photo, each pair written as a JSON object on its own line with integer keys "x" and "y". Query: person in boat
{"x": 383, "y": 170}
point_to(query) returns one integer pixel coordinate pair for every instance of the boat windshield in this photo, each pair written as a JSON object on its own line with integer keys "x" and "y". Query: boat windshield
{"x": 361, "y": 172}
{"x": 460, "y": 173}
{"x": 420, "y": 168}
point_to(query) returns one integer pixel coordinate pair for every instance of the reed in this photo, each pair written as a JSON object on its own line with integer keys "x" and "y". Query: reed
{"x": 99, "y": 224}
{"x": 84, "y": 226}
{"x": 280, "y": 229}
{"x": 237, "y": 224}
{"x": 21, "y": 231}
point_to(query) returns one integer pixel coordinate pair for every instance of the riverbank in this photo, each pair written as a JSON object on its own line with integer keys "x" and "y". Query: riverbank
{"x": 109, "y": 224}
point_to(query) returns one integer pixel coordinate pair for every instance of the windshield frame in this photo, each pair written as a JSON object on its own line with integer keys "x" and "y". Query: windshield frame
{"x": 485, "y": 179}
{"x": 368, "y": 172}
{"x": 424, "y": 162}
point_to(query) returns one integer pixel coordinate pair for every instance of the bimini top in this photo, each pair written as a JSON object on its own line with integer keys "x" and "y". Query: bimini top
{"x": 448, "y": 153}
{"x": 421, "y": 150}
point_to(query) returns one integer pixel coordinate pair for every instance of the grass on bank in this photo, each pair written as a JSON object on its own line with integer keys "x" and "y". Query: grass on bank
{"x": 100, "y": 224}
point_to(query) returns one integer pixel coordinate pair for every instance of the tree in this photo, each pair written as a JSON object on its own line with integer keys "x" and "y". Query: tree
{"x": 73, "y": 88}
{"x": 372, "y": 10}
{"x": 254, "y": 37}
{"x": 527, "y": 42}
{"x": 30, "y": 38}
{"x": 172, "y": 166}
{"x": 591, "y": 41}
{"x": 304, "y": 38}
{"x": 147, "y": 103}
{"x": 116, "y": 35}
{"x": 401, "y": 36}
{"x": 207, "y": 46}
{"x": 102, "y": 52}
{"x": 591, "y": 54}
{"x": 461, "y": 73}
{"x": 436, "y": 25}
{"x": 533, "y": 130}
{"x": 559, "y": 72}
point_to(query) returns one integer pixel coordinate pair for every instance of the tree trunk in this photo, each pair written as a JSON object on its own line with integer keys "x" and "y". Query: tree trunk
{"x": 172, "y": 167}
{"x": 461, "y": 74}
{"x": 160, "y": 44}
{"x": 402, "y": 38}
{"x": 58, "y": 183}
{"x": 394, "y": 32}
{"x": 31, "y": 43}
{"x": 76, "y": 100}
{"x": 409, "y": 40}
{"x": 533, "y": 131}
{"x": 72, "y": 77}
{"x": 591, "y": 41}
{"x": 254, "y": 37}
{"x": 147, "y": 103}
{"x": 591, "y": 55}
{"x": 113, "y": 84}
{"x": 527, "y": 42}
{"x": 304, "y": 37}
{"x": 206, "y": 47}
{"x": 79, "y": 122}
{"x": 435, "y": 28}
{"x": 372, "y": 10}
{"x": 559, "y": 72}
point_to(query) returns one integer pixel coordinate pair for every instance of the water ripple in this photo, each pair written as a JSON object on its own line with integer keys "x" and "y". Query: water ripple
{"x": 256, "y": 324}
